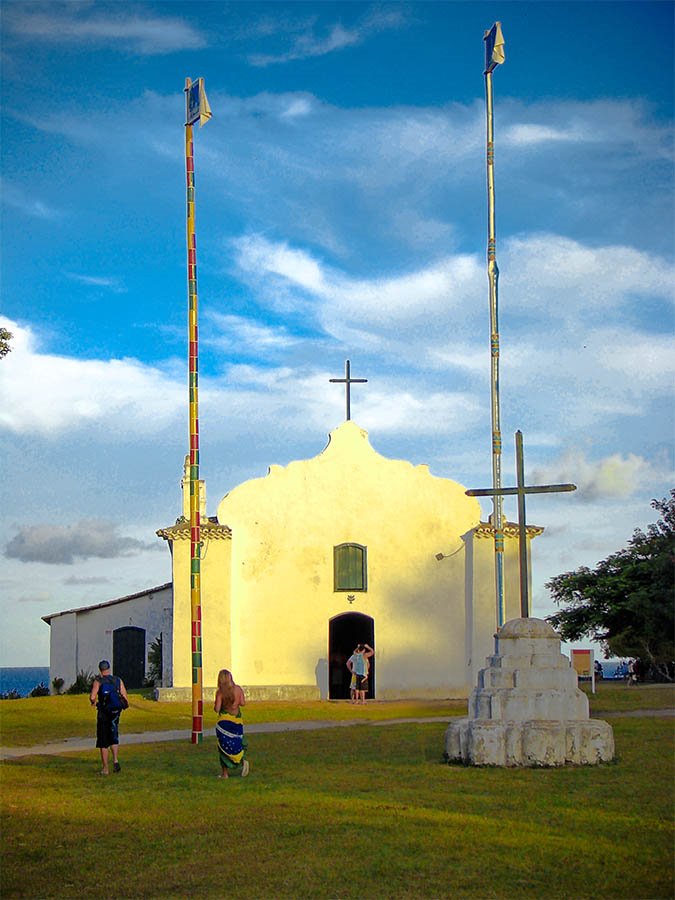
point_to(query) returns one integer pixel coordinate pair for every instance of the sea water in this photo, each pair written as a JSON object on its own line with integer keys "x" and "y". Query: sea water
{"x": 22, "y": 678}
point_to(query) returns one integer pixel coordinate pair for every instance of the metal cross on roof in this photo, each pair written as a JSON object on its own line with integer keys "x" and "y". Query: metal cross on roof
{"x": 348, "y": 381}
{"x": 521, "y": 490}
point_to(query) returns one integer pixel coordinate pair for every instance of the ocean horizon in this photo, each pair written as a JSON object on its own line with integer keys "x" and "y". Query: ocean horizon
{"x": 22, "y": 679}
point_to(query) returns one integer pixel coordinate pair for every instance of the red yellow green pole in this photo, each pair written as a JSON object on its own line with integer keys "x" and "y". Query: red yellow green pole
{"x": 193, "y": 379}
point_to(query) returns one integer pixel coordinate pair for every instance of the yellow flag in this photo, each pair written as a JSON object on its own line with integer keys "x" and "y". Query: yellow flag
{"x": 204, "y": 108}
{"x": 197, "y": 106}
{"x": 494, "y": 47}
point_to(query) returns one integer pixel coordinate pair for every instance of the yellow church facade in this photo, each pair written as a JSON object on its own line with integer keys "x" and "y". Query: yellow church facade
{"x": 349, "y": 546}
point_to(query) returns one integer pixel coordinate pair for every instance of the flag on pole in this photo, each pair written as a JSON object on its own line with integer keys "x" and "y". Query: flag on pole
{"x": 197, "y": 106}
{"x": 494, "y": 47}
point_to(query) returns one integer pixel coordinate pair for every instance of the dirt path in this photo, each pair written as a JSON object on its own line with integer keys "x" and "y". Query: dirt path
{"x": 71, "y": 745}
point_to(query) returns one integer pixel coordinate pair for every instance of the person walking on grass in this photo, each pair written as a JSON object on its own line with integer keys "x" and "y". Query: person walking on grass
{"x": 359, "y": 667}
{"x": 232, "y": 743}
{"x": 109, "y": 695}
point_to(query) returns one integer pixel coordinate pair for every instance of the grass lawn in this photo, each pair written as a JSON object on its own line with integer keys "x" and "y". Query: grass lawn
{"x": 32, "y": 720}
{"x": 24, "y": 723}
{"x": 366, "y": 810}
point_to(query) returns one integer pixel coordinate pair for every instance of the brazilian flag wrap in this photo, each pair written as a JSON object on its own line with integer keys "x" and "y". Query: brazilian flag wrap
{"x": 231, "y": 740}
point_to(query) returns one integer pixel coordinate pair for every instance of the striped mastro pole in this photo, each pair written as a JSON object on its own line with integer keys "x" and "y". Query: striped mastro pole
{"x": 193, "y": 380}
{"x": 494, "y": 55}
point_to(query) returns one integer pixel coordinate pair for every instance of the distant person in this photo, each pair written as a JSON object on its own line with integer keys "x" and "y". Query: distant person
{"x": 598, "y": 670}
{"x": 632, "y": 672}
{"x": 232, "y": 743}
{"x": 359, "y": 667}
{"x": 107, "y": 692}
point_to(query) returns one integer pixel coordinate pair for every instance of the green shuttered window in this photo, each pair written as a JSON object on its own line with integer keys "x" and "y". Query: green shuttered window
{"x": 350, "y": 567}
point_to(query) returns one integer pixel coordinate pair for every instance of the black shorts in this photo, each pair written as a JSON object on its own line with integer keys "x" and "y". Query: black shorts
{"x": 362, "y": 684}
{"x": 107, "y": 729}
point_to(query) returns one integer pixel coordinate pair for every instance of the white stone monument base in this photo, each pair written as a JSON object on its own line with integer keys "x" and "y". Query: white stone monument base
{"x": 526, "y": 708}
{"x": 532, "y": 743}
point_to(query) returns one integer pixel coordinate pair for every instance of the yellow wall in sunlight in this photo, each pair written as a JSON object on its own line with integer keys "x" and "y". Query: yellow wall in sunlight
{"x": 285, "y": 527}
{"x": 215, "y": 589}
{"x": 268, "y": 591}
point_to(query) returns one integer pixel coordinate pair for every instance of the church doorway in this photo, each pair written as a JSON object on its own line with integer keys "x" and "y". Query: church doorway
{"x": 129, "y": 655}
{"x": 344, "y": 633}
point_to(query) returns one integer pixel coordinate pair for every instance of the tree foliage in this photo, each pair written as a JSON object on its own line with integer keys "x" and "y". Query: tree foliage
{"x": 626, "y": 602}
{"x": 5, "y": 338}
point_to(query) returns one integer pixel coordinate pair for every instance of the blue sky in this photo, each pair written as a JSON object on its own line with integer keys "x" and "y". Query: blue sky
{"x": 341, "y": 213}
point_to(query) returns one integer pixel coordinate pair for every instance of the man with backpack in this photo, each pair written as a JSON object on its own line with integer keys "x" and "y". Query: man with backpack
{"x": 110, "y": 696}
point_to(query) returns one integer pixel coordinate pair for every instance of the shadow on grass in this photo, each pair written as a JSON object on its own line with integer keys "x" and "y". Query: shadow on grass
{"x": 324, "y": 810}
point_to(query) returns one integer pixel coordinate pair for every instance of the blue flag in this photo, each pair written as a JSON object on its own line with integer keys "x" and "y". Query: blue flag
{"x": 196, "y": 104}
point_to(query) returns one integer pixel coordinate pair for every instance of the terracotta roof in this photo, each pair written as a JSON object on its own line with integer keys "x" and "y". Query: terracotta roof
{"x": 152, "y": 590}
{"x": 181, "y": 530}
{"x": 511, "y": 529}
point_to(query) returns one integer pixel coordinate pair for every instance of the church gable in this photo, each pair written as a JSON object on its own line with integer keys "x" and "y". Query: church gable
{"x": 348, "y": 475}
{"x": 346, "y": 532}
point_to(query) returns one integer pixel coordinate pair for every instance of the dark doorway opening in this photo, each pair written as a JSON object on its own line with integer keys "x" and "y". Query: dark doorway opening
{"x": 344, "y": 633}
{"x": 129, "y": 655}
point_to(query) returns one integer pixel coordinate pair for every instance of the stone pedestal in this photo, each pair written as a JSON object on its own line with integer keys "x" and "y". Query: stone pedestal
{"x": 526, "y": 709}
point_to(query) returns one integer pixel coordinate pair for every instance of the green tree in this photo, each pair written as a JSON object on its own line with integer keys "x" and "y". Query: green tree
{"x": 626, "y": 602}
{"x": 5, "y": 338}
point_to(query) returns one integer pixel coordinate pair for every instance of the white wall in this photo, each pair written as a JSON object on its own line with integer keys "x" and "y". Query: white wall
{"x": 80, "y": 639}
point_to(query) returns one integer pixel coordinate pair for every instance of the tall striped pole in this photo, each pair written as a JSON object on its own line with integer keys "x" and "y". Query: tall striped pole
{"x": 492, "y": 38}
{"x": 193, "y": 379}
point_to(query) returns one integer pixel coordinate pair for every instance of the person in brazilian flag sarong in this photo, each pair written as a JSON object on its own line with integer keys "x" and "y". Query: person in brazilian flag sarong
{"x": 232, "y": 743}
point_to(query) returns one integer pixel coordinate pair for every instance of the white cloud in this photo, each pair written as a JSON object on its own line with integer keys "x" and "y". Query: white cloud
{"x": 237, "y": 333}
{"x": 28, "y": 205}
{"x": 614, "y": 476}
{"x": 617, "y": 123}
{"x": 259, "y": 256}
{"x": 63, "y": 544}
{"x": 337, "y": 37}
{"x": 404, "y": 412}
{"x": 102, "y": 281}
{"x": 535, "y": 134}
{"x": 354, "y": 306}
{"x": 44, "y": 393}
{"x": 562, "y": 276}
{"x": 298, "y": 107}
{"x": 81, "y": 24}
{"x": 552, "y": 278}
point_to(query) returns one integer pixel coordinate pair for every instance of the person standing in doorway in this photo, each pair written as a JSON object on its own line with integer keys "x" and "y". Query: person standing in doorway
{"x": 359, "y": 668}
{"x": 109, "y": 695}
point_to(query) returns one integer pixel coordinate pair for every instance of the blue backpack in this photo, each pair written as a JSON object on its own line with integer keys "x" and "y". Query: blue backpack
{"x": 109, "y": 697}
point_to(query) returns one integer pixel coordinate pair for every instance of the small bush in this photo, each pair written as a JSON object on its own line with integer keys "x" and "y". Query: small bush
{"x": 40, "y": 690}
{"x": 57, "y": 684}
{"x": 154, "y": 674}
{"x": 82, "y": 684}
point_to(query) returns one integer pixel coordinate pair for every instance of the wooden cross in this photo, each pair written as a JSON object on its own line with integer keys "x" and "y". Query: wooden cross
{"x": 348, "y": 381}
{"x": 521, "y": 490}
